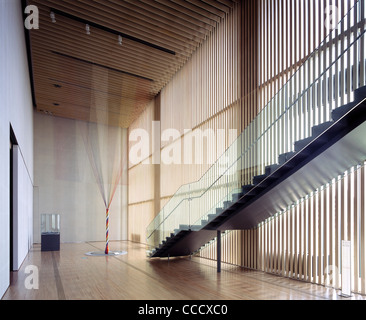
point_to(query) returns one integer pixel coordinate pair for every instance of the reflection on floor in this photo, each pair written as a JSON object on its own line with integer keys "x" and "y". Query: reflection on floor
{"x": 71, "y": 274}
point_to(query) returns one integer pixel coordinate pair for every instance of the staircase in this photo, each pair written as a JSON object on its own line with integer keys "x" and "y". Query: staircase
{"x": 229, "y": 200}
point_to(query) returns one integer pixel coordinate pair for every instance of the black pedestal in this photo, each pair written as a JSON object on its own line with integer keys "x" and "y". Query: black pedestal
{"x": 50, "y": 242}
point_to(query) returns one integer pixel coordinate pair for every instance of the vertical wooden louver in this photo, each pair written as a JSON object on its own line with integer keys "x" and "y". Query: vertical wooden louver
{"x": 141, "y": 199}
{"x": 289, "y": 32}
{"x": 205, "y": 95}
{"x": 249, "y": 51}
{"x": 255, "y": 50}
{"x": 304, "y": 241}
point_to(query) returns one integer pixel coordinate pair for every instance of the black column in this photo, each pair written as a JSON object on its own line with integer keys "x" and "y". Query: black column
{"x": 218, "y": 251}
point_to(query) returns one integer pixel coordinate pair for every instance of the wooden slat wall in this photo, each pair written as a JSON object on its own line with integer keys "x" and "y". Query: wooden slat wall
{"x": 229, "y": 79}
{"x": 204, "y": 95}
{"x": 314, "y": 249}
{"x": 230, "y": 251}
{"x": 224, "y": 127}
{"x": 304, "y": 242}
{"x": 289, "y": 32}
{"x": 249, "y": 48}
{"x": 139, "y": 216}
{"x": 208, "y": 82}
{"x": 141, "y": 200}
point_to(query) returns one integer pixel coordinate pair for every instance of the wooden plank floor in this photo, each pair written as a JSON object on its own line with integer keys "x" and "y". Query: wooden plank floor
{"x": 70, "y": 274}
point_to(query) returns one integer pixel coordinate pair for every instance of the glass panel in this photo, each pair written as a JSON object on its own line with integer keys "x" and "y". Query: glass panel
{"x": 50, "y": 223}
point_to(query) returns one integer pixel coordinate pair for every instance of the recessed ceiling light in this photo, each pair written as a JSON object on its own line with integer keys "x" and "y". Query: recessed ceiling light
{"x": 53, "y": 17}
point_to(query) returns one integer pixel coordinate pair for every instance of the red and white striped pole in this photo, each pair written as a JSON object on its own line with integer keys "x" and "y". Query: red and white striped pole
{"x": 107, "y": 232}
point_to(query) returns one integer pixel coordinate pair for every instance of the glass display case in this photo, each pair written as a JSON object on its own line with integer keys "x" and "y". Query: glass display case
{"x": 50, "y": 232}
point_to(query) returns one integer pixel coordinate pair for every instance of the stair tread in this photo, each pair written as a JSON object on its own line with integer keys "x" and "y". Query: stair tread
{"x": 320, "y": 128}
{"x": 247, "y": 188}
{"x": 237, "y": 196}
{"x": 283, "y": 158}
{"x": 341, "y": 111}
{"x": 301, "y": 144}
{"x": 271, "y": 169}
{"x": 360, "y": 94}
{"x": 263, "y": 176}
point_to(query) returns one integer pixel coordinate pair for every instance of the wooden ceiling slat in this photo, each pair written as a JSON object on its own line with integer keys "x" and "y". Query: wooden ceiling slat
{"x": 63, "y": 74}
{"x": 163, "y": 13}
{"x": 124, "y": 106}
{"x": 126, "y": 94}
{"x": 170, "y": 12}
{"x": 47, "y": 104}
{"x": 76, "y": 9}
{"x": 58, "y": 77}
{"x": 125, "y": 91}
{"x": 218, "y": 9}
{"x": 93, "y": 78}
{"x": 121, "y": 106}
{"x": 223, "y": 5}
{"x": 229, "y": 3}
{"x": 154, "y": 72}
{"x": 161, "y": 22}
{"x": 47, "y": 101}
{"x": 137, "y": 31}
{"x": 178, "y": 8}
{"x": 47, "y": 87}
{"x": 101, "y": 42}
{"x": 216, "y": 15}
{"x": 115, "y": 83}
{"x": 68, "y": 91}
{"x": 44, "y": 87}
{"x": 181, "y": 49}
{"x": 86, "y": 115}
